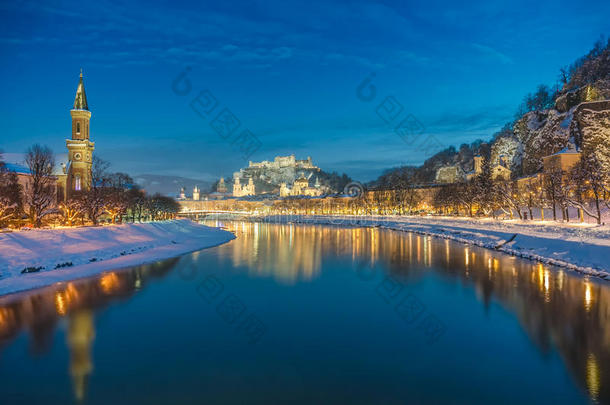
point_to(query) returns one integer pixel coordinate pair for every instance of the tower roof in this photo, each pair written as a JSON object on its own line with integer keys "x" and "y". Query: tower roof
{"x": 80, "y": 101}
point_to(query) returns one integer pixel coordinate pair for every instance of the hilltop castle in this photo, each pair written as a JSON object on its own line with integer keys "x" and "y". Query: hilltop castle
{"x": 281, "y": 162}
{"x": 269, "y": 177}
{"x": 284, "y": 175}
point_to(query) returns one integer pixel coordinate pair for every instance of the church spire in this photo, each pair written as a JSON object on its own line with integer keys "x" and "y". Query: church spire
{"x": 80, "y": 101}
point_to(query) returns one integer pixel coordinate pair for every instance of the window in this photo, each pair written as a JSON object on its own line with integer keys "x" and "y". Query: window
{"x": 77, "y": 185}
{"x": 78, "y": 127}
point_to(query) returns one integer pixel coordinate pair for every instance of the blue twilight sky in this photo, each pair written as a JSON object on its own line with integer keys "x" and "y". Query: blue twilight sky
{"x": 288, "y": 70}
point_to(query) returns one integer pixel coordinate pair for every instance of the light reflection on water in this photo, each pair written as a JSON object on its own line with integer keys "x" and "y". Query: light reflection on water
{"x": 558, "y": 310}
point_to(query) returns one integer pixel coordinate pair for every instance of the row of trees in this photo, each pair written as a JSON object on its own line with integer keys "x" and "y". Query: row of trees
{"x": 373, "y": 202}
{"x": 111, "y": 196}
{"x": 584, "y": 186}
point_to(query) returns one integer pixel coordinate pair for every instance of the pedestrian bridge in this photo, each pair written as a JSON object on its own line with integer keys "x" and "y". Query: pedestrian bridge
{"x": 204, "y": 213}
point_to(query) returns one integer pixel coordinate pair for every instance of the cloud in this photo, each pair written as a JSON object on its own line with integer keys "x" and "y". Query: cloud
{"x": 353, "y": 59}
{"x": 494, "y": 53}
{"x": 411, "y": 57}
{"x": 230, "y": 47}
{"x": 483, "y": 119}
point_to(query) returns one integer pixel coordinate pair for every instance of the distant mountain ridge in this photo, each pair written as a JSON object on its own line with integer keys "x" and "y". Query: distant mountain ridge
{"x": 169, "y": 185}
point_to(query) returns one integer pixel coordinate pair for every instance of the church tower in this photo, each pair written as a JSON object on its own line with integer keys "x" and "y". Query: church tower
{"x": 80, "y": 148}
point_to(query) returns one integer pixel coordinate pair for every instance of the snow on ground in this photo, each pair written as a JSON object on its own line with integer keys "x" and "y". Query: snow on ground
{"x": 581, "y": 247}
{"x": 92, "y": 250}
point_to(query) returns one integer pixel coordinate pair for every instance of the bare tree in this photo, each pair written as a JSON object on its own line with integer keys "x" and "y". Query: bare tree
{"x": 161, "y": 207}
{"x": 136, "y": 203}
{"x": 564, "y": 76}
{"x": 533, "y": 196}
{"x": 116, "y": 199}
{"x": 72, "y": 209}
{"x": 509, "y": 198}
{"x": 465, "y": 195}
{"x": 11, "y": 201}
{"x": 93, "y": 199}
{"x": 407, "y": 196}
{"x": 587, "y": 180}
{"x": 540, "y": 100}
{"x": 40, "y": 196}
{"x": 444, "y": 199}
{"x": 554, "y": 189}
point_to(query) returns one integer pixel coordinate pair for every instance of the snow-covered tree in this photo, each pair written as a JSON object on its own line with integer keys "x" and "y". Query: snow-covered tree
{"x": 41, "y": 195}
{"x": 485, "y": 190}
{"x": 72, "y": 209}
{"x": 93, "y": 199}
{"x": 588, "y": 182}
{"x": 555, "y": 190}
{"x": 596, "y": 138}
{"x": 116, "y": 199}
{"x": 136, "y": 203}
{"x": 11, "y": 200}
{"x": 509, "y": 198}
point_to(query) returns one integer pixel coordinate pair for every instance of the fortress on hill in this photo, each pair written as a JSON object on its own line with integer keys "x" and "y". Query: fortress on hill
{"x": 281, "y": 162}
{"x": 285, "y": 176}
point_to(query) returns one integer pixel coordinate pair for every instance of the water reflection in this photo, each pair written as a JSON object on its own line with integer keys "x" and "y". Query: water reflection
{"x": 288, "y": 253}
{"x": 557, "y": 309}
{"x": 39, "y": 313}
{"x": 81, "y": 331}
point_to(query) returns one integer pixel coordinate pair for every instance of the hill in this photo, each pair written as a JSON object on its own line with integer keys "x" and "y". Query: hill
{"x": 269, "y": 175}
{"x": 546, "y": 122}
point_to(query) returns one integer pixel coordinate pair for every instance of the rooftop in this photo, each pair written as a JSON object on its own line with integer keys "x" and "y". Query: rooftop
{"x": 80, "y": 101}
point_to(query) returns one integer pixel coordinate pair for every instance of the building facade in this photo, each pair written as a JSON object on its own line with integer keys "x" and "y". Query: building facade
{"x": 301, "y": 187}
{"x": 500, "y": 171}
{"x": 240, "y": 190}
{"x": 222, "y": 187}
{"x": 561, "y": 161}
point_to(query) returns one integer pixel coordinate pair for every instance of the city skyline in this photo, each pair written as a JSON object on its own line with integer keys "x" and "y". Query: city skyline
{"x": 305, "y": 202}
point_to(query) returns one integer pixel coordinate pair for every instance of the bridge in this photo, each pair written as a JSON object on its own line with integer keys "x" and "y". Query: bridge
{"x": 197, "y": 214}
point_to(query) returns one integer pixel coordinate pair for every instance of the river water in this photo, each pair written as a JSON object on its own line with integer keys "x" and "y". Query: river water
{"x": 307, "y": 314}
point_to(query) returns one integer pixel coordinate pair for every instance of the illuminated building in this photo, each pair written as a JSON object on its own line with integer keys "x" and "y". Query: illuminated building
{"x": 76, "y": 174}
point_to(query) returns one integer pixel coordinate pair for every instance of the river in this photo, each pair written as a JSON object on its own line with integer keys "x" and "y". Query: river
{"x": 307, "y": 314}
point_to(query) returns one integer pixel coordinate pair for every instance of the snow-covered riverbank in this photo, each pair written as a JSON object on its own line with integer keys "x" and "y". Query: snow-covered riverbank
{"x": 581, "y": 247}
{"x": 52, "y": 255}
